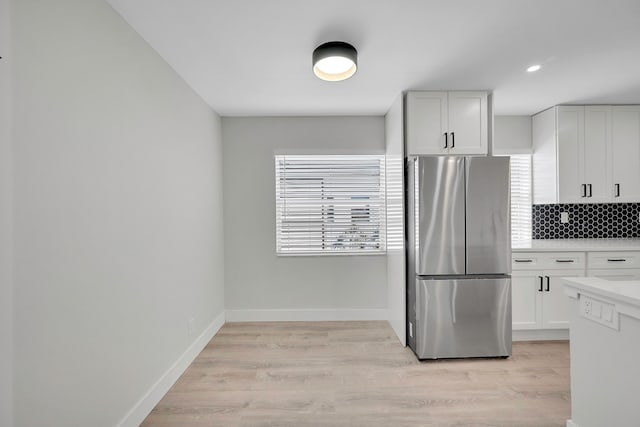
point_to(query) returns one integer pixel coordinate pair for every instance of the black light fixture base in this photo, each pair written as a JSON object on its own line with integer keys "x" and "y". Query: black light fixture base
{"x": 339, "y": 50}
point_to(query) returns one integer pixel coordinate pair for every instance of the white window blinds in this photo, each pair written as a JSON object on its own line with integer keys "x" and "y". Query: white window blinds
{"x": 330, "y": 204}
{"x": 521, "y": 197}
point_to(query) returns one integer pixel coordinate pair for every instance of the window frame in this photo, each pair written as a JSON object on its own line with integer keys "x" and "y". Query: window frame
{"x": 362, "y": 214}
{"x": 521, "y": 221}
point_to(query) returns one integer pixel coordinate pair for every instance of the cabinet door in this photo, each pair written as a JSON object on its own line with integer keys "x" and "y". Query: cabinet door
{"x": 426, "y": 114}
{"x": 615, "y": 274}
{"x": 526, "y": 299}
{"x": 625, "y": 156}
{"x": 595, "y": 153}
{"x": 468, "y": 122}
{"x": 570, "y": 139}
{"x": 556, "y": 306}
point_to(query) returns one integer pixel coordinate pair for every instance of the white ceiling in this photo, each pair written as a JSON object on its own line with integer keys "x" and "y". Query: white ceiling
{"x": 253, "y": 57}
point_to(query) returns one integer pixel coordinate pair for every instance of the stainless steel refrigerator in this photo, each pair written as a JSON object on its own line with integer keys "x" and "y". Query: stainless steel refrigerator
{"x": 459, "y": 257}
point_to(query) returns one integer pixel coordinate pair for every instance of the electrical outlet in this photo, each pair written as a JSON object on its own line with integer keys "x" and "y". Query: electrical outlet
{"x": 601, "y": 312}
{"x": 564, "y": 217}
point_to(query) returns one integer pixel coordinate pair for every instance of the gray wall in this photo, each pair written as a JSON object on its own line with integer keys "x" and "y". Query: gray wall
{"x": 396, "y": 284}
{"x": 6, "y": 283}
{"x": 117, "y": 209}
{"x": 257, "y": 279}
{"x": 512, "y": 135}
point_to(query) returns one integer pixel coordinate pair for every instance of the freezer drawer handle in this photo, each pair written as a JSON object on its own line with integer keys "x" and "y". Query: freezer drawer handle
{"x": 616, "y": 260}
{"x": 523, "y": 260}
{"x": 540, "y": 289}
{"x": 564, "y": 260}
{"x": 446, "y": 140}
{"x": 547, "y": 289}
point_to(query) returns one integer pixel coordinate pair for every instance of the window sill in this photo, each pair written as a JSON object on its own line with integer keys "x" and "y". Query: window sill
{"x": 323, "y": 254}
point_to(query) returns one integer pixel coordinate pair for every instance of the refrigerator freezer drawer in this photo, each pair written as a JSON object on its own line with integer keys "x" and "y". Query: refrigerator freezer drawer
{"x": 463, "y": 317}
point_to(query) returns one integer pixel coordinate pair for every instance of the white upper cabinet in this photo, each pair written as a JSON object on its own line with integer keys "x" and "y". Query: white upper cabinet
{"x": 594, "y": 156}
{"x": 570, "y": 143}
{"x": 625, "y": 153}
{"x": 586, "y": 154}
{"x": 446, "y": 123}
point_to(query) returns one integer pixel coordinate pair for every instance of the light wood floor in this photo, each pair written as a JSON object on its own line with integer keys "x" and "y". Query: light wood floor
{"x": 357, "y": 374}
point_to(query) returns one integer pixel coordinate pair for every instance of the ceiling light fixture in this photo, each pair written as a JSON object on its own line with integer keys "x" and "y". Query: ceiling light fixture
{"x": 335, "y": 61}
{"x": 533, "y": 68}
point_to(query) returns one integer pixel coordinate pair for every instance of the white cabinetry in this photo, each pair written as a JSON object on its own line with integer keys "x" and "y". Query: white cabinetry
{"x": 625, "y": 153}
{"x": 540, "y": 308}
{"x": 593, "y": 155}
{"x": 614, "y": 265}
{"x": 538, "y": 300}
{"x": 586, "y": 154}
{"x": 446, "y": 123}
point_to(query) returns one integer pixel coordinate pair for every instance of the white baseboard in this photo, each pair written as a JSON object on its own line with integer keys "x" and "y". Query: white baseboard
{"x": 145, "y": 405}
{"x": 305, "y": 315}
{"x": 541, "y": 335}
{"x": 570, "y": 423}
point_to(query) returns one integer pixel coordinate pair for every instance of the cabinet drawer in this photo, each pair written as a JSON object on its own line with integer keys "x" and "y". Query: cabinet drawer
{"x": 615, "y": 273}
{"x": 611, "y": 260}
{"x": 547, "y": 260}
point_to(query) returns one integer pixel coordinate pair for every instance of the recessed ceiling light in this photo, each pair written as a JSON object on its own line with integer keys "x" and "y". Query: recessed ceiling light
{"x": 533, "y": 68}
{"x": 335, "y": 61}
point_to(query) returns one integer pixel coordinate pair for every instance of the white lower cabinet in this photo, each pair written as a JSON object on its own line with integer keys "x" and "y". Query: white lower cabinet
{"x": 537, "y": 292}
{"x": 538, "y": 299}
{"x": 614, "y": 265}
{"x": 615, "y": 274}
{"x": 525, "y": 301}
{"x": 556, "y": 307}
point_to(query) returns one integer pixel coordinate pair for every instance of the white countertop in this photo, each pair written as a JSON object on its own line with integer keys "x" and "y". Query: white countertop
{"x": 553, "y": 245}
{"x": 627, "y": 291}
{"x": 623, "y": 295}
{"x": 605, "y": 325}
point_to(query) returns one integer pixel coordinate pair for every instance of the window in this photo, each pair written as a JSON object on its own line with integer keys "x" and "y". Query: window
{"x": 330, "y": 204}
{"x": 520, "y": 197}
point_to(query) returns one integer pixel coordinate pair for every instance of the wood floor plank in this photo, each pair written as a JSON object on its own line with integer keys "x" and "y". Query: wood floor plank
{"x": 357, "y": 374}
